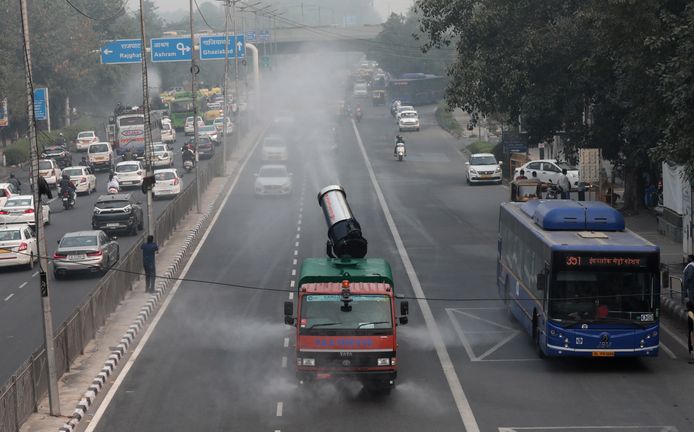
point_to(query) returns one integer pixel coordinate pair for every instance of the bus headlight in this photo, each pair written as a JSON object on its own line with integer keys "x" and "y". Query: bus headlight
{"x": 384, "y": 361}
{"x": 308, "y": 362}
{"x": 642, "y": 343}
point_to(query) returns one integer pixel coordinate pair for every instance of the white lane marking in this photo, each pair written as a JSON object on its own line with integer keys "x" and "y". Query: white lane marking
{"x": 292, "y": 284}
{"x": 9, "y": 296}
{"x": 293, "y": 272}
{"x": 286, "y": 342}
{"x": 673, "y": 335}
{"x": 668, "y": 351}
{"x": 599, "y": 428}
{"x": 298, "y": 229}
{"x": 294, "y": 261}
{"x": 35, "y": 274}
{"x": 23, "y": 285}
{"x": 296, "y": 244}
{"x": 299, "y": 221}
{"x": 136, "y": 352}
{"x": 298, "y": 236}
{"x": 454, "y": 384}
{"x": 296, "y": 252}
{"x": 291, "y": 296}
{"x": 284, "y": 362}
{"x": 280, "y": 406}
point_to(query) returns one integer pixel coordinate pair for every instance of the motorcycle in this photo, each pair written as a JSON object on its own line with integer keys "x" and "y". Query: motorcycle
{"x": 358, "y": 115}
{"x": 553, "y": 192}
{"x": 113, "y": 189}
{"x": 68, "y": 199}
{"x": 188, "y": 165}
{"x": 400, "y": 152}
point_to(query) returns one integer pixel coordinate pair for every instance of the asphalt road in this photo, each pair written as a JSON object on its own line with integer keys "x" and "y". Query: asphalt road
{"x": 21, "y": 329}
{"x": 217, "y": 359}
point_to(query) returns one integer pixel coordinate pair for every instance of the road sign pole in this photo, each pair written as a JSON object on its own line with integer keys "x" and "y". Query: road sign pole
{"x": 53, "y": 395}
{"x": 194, "y": 73}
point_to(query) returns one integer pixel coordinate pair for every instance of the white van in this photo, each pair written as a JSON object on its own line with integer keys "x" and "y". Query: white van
{"x": 101, "y": 155}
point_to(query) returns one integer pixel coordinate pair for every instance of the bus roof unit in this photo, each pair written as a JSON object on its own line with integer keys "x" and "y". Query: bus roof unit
{"x": 566, "y": 215}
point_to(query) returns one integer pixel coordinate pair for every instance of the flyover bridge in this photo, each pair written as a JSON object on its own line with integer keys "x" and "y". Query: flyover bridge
{"x": 316, "y": 38}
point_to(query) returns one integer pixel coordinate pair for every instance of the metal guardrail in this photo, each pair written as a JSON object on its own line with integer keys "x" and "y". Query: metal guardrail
{"x": 20, "y": 395}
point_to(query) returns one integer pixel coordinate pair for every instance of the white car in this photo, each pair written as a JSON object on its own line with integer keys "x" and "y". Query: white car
{"x": 18, "y": 246}
{"x": 401, "y": 109}
{"x": 548, "y": 170}
{"x": 101, "y": 155}
{"x": 409, "y": 120}
{"x": 19, "y": 209}
{"x": 50, "y": 171}
{"x": 162, "y": 157}
{"x": 7, "y": 190}
{"x": 166, "y": 183}
{"x": 168, "y": 133}
{"x": 219, "y": 124}
{"x": 188, "y": 126}
{"x": 82, "y": 177}
{"x": 209, "y": 132}
{"x": 483, "y": 167}
{"x": 130, "y": 173}
{"x": 85, "y": 138}
{"x": 274, "y": 149}
{"x": 273, "y": 180}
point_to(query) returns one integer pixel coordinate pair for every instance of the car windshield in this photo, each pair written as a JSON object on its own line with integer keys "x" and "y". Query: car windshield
{"x": 53, "y": 150}
{"x": 408, "y": 114}
{"x": 273, "y": 142}
{"x": 273, "y": 172}
{"x": 159, "y": 148}
{"x": 98, "y": 148}
{"x": 45, "y": 165}
{"x": 322, "y": 313}
{"x": 8, "y": 235}
{"x": 125, "y": 168}
{"x": 204, "y": 141}
{"x": 111, "y": 204}
{"x": 18, "y": 202}
{"x": 602, "y": 296}
{"x": 166, "y": 175}
{"x": 85, "y": 135}
{"x": 406, "y": 108}
{"x": 182, "y": 106}
{"x": 566, "y": 166}
{"x": 165, "y": 127}
{"x": 207, "y": 129}
{"x": 78, "y": 241}
{"x": 131, "y": 121}
{"x": 482, "y": 160}
{"x": 73, "y": 172}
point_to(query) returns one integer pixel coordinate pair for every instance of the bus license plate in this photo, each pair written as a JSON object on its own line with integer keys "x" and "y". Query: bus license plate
{"x": 603, "y": 353}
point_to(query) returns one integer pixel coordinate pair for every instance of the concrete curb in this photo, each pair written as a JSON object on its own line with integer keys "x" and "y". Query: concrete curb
{"x": 165, "y": 282}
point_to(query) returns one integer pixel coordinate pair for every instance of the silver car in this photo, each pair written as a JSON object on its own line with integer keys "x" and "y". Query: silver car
{"x": 85, "y": 251}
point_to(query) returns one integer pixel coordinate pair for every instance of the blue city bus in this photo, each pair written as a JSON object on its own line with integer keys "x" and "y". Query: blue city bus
{"x": 577, "y": 280}
{"x": 417, "y": 89}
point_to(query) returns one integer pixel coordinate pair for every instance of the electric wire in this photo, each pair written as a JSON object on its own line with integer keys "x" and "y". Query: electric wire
{"x": 117, "y": 14}
{"x": 203, "y": 17}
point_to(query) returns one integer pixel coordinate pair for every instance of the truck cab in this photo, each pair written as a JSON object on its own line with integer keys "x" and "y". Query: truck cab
{"x": 346, "y": 322}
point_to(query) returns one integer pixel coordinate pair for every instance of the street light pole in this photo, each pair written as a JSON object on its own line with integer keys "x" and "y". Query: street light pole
{"x": 225, "y": 108}
{"x": 194, "y": 74}
{"x": 237, "y": 133}
{"x": 148, "y": 124}
{"x": 53, "y": 394}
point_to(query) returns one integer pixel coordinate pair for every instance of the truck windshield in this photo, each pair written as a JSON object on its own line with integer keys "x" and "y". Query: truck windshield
{"x": 324, "y": 313}
{"x": 602, "y": 296}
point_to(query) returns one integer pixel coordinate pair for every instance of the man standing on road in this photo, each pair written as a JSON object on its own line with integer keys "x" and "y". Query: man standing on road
{"x": 564, "y": 185}
{"x": 148, "y": 262}
{"x": 688, "y": 278}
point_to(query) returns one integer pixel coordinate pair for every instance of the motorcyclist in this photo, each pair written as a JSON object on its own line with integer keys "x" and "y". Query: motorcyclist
{"x": 357, "y": 113}
{"x": 399, "y": 140}
{"x": 188, "y": 153}
{"x": 67, "y": 185}
{"x": 113, "y": 182}
{"x": 14, "y": 181}
{"x": 60, "y": 140}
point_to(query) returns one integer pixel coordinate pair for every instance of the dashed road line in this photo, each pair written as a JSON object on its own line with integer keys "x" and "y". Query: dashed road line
{"x": 296, "y": 244}
{"x": 296, "y": 252}
{"x": 23, "y": 285}
{"x": 668, "y": 351}
{"x": 292, "y": 284}
{"x": 280, "y": 407}
{"x": 298, "y": 236}
{"x": 9, "y": 296}
{"x": 35, "y": 274}
{"x": 284, "y": 362}
{"x": 294, "y": 261}
{"x": 286, "y": 342}
{"x": 293, "y": 272}
{"x": 298, "y": 228}
{"x": 291, "y": 296}
{"x": 673, "y": 335}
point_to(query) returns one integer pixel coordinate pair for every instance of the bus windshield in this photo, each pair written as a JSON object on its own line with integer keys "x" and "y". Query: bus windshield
{"x": 131, "y": 120}
{"x": 182, "y": 106}
{"x": 602, "y": 296}
{"x": 368, "y": 314}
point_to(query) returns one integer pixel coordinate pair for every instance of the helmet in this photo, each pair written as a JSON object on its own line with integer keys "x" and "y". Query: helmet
{"x": 60, "y": 134}
{"x": 66, "y": 177}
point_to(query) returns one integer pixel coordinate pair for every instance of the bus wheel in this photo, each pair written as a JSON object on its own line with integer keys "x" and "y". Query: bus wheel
{"x": 536, "y": 336}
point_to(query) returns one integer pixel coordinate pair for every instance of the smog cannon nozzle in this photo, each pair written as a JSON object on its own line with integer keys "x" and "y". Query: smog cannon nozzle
{"x": 344, "y": 232}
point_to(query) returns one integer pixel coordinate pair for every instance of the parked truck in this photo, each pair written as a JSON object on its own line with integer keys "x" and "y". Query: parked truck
{"x": 346, "y": 316}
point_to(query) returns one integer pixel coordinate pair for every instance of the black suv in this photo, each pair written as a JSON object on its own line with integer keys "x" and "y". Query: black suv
{"x": 117, "y": 212}
{"x": 58, "y": 153}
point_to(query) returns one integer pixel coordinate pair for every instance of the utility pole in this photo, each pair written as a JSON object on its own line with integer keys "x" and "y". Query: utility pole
{"x": 148, "y": 123}
{"x": 53, "y": 395}
{"x": 237, "y": 133}
{"x": 225, "y": 109}
{"x": 194, "y": 73}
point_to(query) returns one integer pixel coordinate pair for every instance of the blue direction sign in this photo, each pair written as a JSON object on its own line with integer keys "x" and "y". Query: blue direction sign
{"x": 171, "y": 49}
{"x": 41, "y": 103}
{"x": 250, "y": 36}
{"x": 265, "y": 35}
{"x": 212, "y": 47}
{"x": 121, "y": 51}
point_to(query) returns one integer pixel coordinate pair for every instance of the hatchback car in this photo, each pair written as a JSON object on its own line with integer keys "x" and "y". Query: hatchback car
{"x": 219, "y": 124}
{"x": 85, "y": 251}
{"x": 168, "y": 133}
{"x": 59, "y": 154}
{"x": 483, "y": 167}
{"x": 6, "y": 191}
{"x": 209, "y": 132}
{"x": 85, "y": 138}
{"x": 274, "y": 149}
{"x": 130, "y": 173}
{"x": 101, "y": 155}
{"x": 19, "y": 209}
{"x": 401, "y": 109}
{"x": 273, "y": 180}
{"x": 162, "y": 156}
{"x": 205, "y": 148}
{"x": 50, "y": 171}
{"x": 82, "y": 177}
{"x": 167, "y": 183}
{"x": 188, "y": 126}
{"x": 118, "y": 212}
{"x": 18, "y": 246}
{"x": 548, "y": 170}
{"x": 409, "y": 120}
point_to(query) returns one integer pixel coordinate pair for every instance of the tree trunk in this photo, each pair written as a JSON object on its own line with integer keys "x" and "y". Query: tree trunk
{"x": 633, "y": 190}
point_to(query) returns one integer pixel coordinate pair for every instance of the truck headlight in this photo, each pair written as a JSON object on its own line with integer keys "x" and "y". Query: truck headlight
{"x": 308, "y": 362}
{"x": 384, "y": 361}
